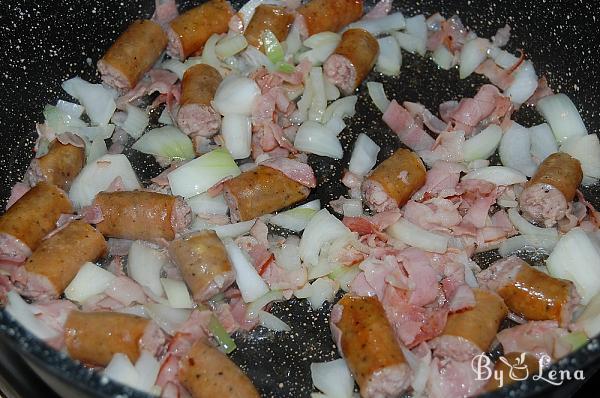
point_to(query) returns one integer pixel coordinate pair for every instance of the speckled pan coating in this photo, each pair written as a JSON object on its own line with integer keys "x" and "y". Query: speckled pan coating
{"x": 43, "y": 43}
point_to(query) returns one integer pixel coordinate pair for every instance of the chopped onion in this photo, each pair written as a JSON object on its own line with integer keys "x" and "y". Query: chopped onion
{"x": 408, "y": 42}
{"x": 144, "y": 265}
{"x": 313, "y": 137}
{"x": 526, "y": 228}
{"x": 89, "y": 281}
{"x": 336, "y": 125}
{"x": 389, "y": 59}
{"x": 73, "y": 110}
{"x": 165, "y": 118}
{"x": 96, "y": 150}
{"x": 589, "y": 320}
{"x": 344, "y": 107}
{"x": 61, "y": 122}
{"x": 344, "y": 276}
{"x": 377, "y": 94}
{"x": 98, "y": 175}
{"x": 586, "y": 149}
{"x": 98, "y": 101}
{"x": 576, "y": 257}
{"x": 352, "y": 208}
{"x": 443, "y": 57}
{"x": 319, "y": 98}
{"x": 321, "y": 229}
{"x": 236, "y": 95}
{"x": 503, "y": 58}
{"x": 323, "y": 289}
{"x": 304, "y": 292}
{"x": 543, "y": 143}
{"x": 562, "y": 116}
{"x": 175, "y": 66}
{"x": 499, "y": 175}
{"x": 514, "y": 150}
{"x": 169, "y": 319}
{"x": 293, "y": 42}
{"x": 121, "y": 369}
{"x": 473, "y": 53}
{"x": 377, "y": 26}
{"x": 206, "y": 204}
{"x": 364, "y": 155}
{"x": 226, "y": 343}
{"x": 234, "y": 230}
{"x": 262, "y": 301}
{"x": 202, "y": 173}
{"x": 524, "y": 85}
{"x": 511, "y": 245}
{"x": 147, "y": 368}
{"x": 306, "y": 100}
{"x": 209, "y": 55}
{"x": 331, "y": 91}
{"x": 321, "y": 45}
{"x": 415, "y": 236}
{"x": 230, "y": 46}
{"x": 416, "y": 27}
{"x": 297, "y": 218}
{"x": 322, "y": 38}
{"x": 135, "y": 121}
{"x": 177, "y": 293}
{"x": 92, "y": 133}
{"x": 237, "y": 133}
{"x": 288, "y": 255}
{"x": 273, "y": 49}
{"x": 24, "y": 314}
{"x": 333, "y": 378}
{"x": 249, "y": 282}
{"x": 271, "y": 322}
{"x": 483, "y": 145}
{"x": 167, "y": 142}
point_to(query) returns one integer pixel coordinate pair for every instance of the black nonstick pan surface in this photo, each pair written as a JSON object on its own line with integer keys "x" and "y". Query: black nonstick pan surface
{"x": 43, "y": 43}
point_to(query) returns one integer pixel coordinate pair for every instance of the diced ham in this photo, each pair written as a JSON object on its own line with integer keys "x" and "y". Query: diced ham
{"x": 420, "y": 113}
{"x": 449, "y": 378}
{"x": 449, "y": 147}
{"x": 404, "y": 125}
{"x": 462, "y": 299}
{"x": 293, "y": 169}
{"x": 441, "y": 181}
{"x": 538, "y": 338}
{"x": 381, "y": 9}
{"x": 543, "y": 90}
{"x": 502, "y": 78}
{"x": 126, "y": 291}
{"x": 437, "y": 214}
{"x": 164, "y": 12}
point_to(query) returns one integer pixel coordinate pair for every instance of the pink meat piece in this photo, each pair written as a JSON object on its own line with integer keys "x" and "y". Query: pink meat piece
{"x": 543, "y": 90}
{"x": 446, "y": 110}
{"x": 16, "y": 192}
{"x": 259, "y": 253}
{"x": 225, "y": 317}
{"x": 449, "y": 378}
{"x": 449, "y": 147}
{"x": 404, "y": 125}
{"x": 126, "y": 291}
{"x": 462, "y": 299}
{"x": 239, "y": 312}
{"x": 361, "y": 287}
{"x": 376, "y": 273}
{"x": 379, "y": 10}
{"x": 471, "y": 111}
{"x": 441, "y": 181}
{"x": 479, "y": 210}
{"x": 437, "y": 214}
{"x": 420, "y": 113}
{"x": 502, "y": 78}
{"x": 54, "y": 314}
{"x": 538, "y": 338}
{"x": 279, "y": 278}
{"x": 293, "y": 169}
{"x": 164, "y": 12}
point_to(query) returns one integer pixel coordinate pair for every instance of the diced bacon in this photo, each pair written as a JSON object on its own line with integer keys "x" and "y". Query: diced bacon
{"x": 449, "y": 147}
{"x": 543, "y": 90}
{"x": 92, "y": 214}
{"x": 164, "y": 12}
{"x": 279, "y": 278}
{"x": 381, "y": 9}
{"x": 441, "y": 181}
{"x": 446, "y": 110}
{"x": 538, "y": 338}
{"x": 403, "y": 124}
{"x": 437, "y": 214}
{"x": 471, "y": 111}
{"x": 126, "y": 291}
{"x": 419, "y": 112}
{"x": 478, "y": 211}
{"x": 293, "y": 169}
{"x": 239, "y": 312}
{"x": 376, "y": 273}
{"x": 449, "y": 378}
{"x": 361, "y": 287}
{"x": 502, "y": 78}
{"x": 462, "y": 299}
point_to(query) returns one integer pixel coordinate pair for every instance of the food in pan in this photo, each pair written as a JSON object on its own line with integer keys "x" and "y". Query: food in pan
{"x": 155, "y": 281}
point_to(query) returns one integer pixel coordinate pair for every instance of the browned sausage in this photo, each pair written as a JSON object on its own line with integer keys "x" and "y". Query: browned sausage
{"x": 94, "y": 337}
{"x": 196, "y": 115}
{"x": 59, "y": 166}
{"x": 394, "y": 181}
{"x": 268, "y": 17}
{"x": 141, "y": 215}
{"x": 204, "y": 264}
{"x": 330, "y": 15}
{"x": 59, "y": 258}
{"x": 530, "y": 293}
{"x": 132, "y": 54}
{"x": 546, "y": 195}
{"x": 261, "y": 191}
{"x": 366, "y": 340}
{"x": 189, "y": 31}
{"x": 352, "y": 60}
{"x": 522, "y": 366}
{"x": 35, "y": 214}
{"x": 207, "y": 372}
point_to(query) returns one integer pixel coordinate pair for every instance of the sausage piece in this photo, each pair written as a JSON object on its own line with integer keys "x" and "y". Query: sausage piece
{"x": 260, "y": 191}
{"x": 546, "y": 196}
{"x": 530, "y": 293}
{"x": 366, "y": 340}
{"x": 352, "y": 60}
{"x": 132, "y": 54}
{"x": 330, "y": 15}
{"x": 94, "y": 337}
{"x": 59, "y": 166}
{"x": 189, "y": 31}
{"x": 196, "y": 115}
{"x": 207, "y": 372}
{"x": 54, "y": 264}
{"x": 204, "y": 264}
{"x": 32, "y": 217}
{"x": 268, "y": 17}
{"x": 394, "y": 181}
{"x": 520, "y": 366}
{"x": 139, "y": 215}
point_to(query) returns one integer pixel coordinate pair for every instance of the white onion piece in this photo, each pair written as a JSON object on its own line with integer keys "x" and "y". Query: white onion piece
{"x": 483, "y": 145}
{"x": 206, "y": 204}
{"x": 377, "y": 26}
{"x": 236, "y": 95}
{"x": 230, "y": 46}
{"x": 344, "y": 107}
{"x": 24, "y": 314}
{"x": 408, "y": 42}
{"x": 136, "y": 121}
{"x": 271, "y": 322}
{"x": 209, "y": 55}
{"x": 89, "y": 281}
{"x": 515, "y": 150}
{"x": 234, "y": 230}
{"x": 296, "y": 219}
{"x": 202, "y": 173}
{"x": 167, "y": 142}
{"x": 473, "y": 53}
{"x": 415, "y": 236}
{"x": 589, "y": 320}
{"x": 562, "y": 116}
{"x": 499, "y": 175}
{"x": 288, "y": 255}
{"x": 323, "y": 267}
{"x": 331, "y": 91}
{"x": 137, "y": 309}
{"x": 121, "y": 369}
{"x": 526, "y": 228}
{"x": 333, "y": 378}
{"x": 175, "y": 66}
{"x": 321, "y": 45}
{"x": 99, "y": 101}
{"x": 543, "y": 143}
{"x": 165, "y": 118}
{"x": 70, "y": 108}
{"x": 576, "y": 257}
{"x": 304, "y": 292}
{"x": 237, "y": 133}
{"x": 98, "y": 175}
{"x": 144, "y": 265}
{"x": 477, "y": 164}
{"x": 377, "y": 94}
{"x": 306, "y": 99}
{"x": 364, "y": 155}
{"x": 389, "y": 59}
{"x": 95, "y": 132}
{"x": 345, "y": 276}
{"x": 511, "y": 245}
{"x": 249, "y": 282}
{"x": 323, "y": 289}
{"x": 177, "y": 293}
{"x": 336, "y": 125}
{"x": 322, "y": 228}
{"x": 443, "y": 57}
{"x": 586, "y": 149}
{"x": 96, "y": 150}
{"x": 352, "y": 208}
{"x": 169, "y": 319}
{"x": 319, "y": 99}
{"x": 262, "y": 301}
{"x": 322, "y": 38}
{"x": 416, "y": 27}
{"x": 524, "y": 85}
{"x": 503, "y": 58}
{"x": 147, "y": 368}
{"x": 293, "y": 42}
{"x": 313, "y": 137}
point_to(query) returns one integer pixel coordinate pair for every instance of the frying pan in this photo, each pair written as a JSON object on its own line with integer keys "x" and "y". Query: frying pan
{"x": 45, "y": 42}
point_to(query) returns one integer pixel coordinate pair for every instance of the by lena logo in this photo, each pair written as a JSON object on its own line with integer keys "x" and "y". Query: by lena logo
{"x": 518, "y": 370}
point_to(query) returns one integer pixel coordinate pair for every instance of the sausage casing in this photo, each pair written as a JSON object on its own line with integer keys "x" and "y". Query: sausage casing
{"x": 59, "y": 166}
{"x": 330, "y": 15}
{"x": 268, "y": 17}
